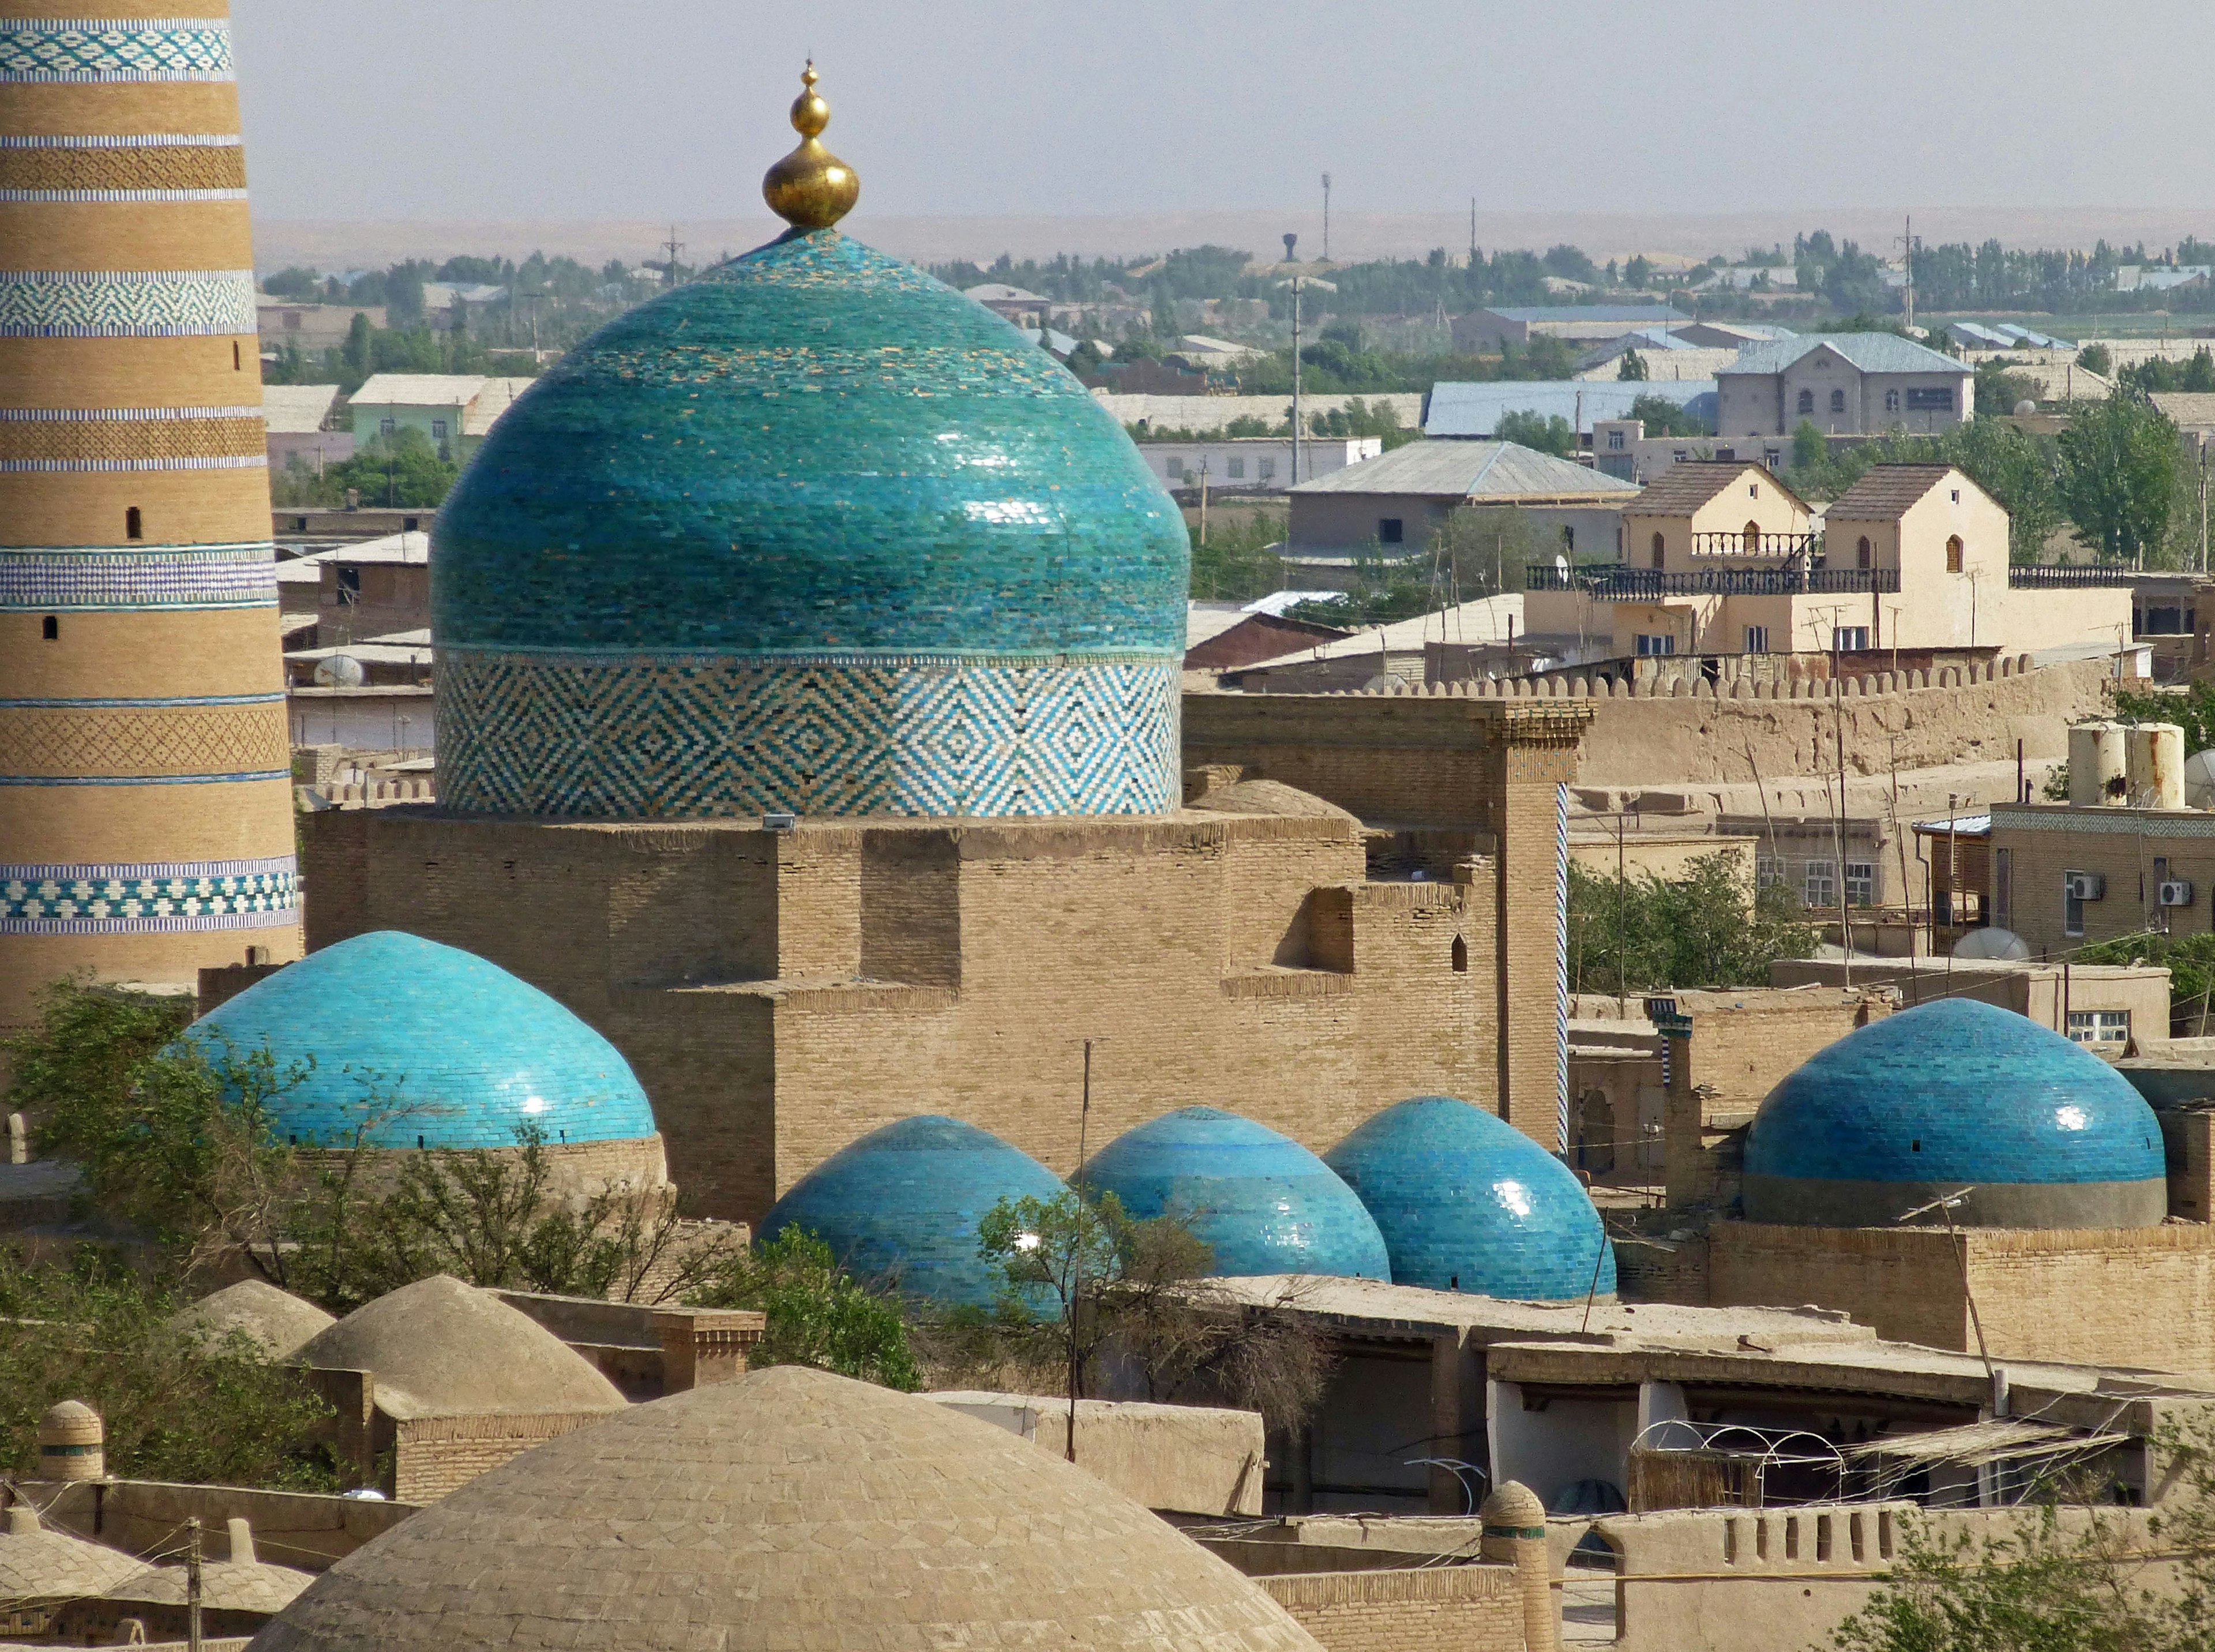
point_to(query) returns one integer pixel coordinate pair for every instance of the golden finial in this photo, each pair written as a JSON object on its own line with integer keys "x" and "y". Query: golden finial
{"x": 811, "y": 189}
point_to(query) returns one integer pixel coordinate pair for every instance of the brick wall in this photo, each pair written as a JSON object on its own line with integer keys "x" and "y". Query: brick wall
{"x": 434, "y": 1456}
{"x": 1436, "y": 1609}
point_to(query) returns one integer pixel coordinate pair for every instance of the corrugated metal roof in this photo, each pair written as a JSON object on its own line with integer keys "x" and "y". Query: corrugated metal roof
{"x": 494, "y": 398}
{"x": 418, "y": 390}
{"x": 1488, "y": 619}
{"x": 297, "y": 409}
{"x": 1873, "y": 352}
{"x": 1887, "y": 491}
{"x": 1590, "y": 313}
{"x": 1463, "y": 409}
{"x": 1469, "y": 470}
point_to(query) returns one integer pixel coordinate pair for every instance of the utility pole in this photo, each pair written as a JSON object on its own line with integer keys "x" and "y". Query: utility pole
{"x": 1326, "y": 217}
{"x": 672, "y": 247}
{"x": 1077, "y": 1260}
{"x": 1297, "y": 284}
{"x": 193, "y": 1582}
{"x": 1472, "y": 232}
{"x": 1908, "y": 246}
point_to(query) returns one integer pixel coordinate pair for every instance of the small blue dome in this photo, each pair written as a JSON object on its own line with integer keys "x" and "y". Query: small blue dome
{"x": 1952, "y": 1094}
{"x": 903, "y": 1204}
{"x": 1467, "y": 1201}
{"x": 459, "y": 1052}
{"x": 1263, "y": 1202}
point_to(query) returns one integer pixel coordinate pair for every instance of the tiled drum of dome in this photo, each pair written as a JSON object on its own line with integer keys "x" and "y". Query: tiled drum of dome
{"x": 1466, "y": 1202}
{"x": 902, "y": 1206}
{"x": 417, "y": 1044}
{"x": 817, "y": 533}
{"x": 1263, "y": 1203}
{"x": 1951, "y": 1094}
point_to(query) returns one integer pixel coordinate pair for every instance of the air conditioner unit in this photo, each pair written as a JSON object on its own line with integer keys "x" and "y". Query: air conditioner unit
{"x": 2085, "y": 885}
{"x": 2177, "y": 892}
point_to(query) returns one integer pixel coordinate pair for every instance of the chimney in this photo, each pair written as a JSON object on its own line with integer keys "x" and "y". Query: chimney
{"x": 242, "y": 1541}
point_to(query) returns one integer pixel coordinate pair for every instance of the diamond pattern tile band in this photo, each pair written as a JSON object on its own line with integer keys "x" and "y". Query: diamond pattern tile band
{"x": 205, "y": 576}
{"x": 143, "y": 899}
{"x": 125, "y": 304}
{"x": 114, "y": 49}
{"x": 629, "y": 738}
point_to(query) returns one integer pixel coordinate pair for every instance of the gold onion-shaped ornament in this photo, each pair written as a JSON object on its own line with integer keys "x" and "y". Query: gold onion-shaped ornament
{"x": 811, "y": 189}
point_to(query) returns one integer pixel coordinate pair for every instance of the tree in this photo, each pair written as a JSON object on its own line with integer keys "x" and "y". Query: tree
{"x": 1808, "y": 447}
{"x": 2095, "y": 358}
{"x": 396, "y": 471}
{"x": 1701, "y": 929}
{"x": 1239, "y": 561}
{"x": 355, "y": 355}
{"x": 1663, "y": 417}
{"x": 817, "y": 1314}
{"x": 1571, "y": 263}
{"x": 1997, "y": 391}
{"x": 1638, "y": 273}
{"x": 1547, "y": 434}
{"x": 294, "y": 283}
{"x": 1632, "y": 366}
{"x": 2118, "y": 475}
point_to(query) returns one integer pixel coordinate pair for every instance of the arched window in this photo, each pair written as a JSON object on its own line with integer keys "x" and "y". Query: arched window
{"x": 1460, "y": 956}
{"x": 1750, "y": 536}
{"x": 1807, "y": 401}
{"x": 1657, "y": 551}
{"x": 1954, "y": 554}
{"x": 1861, "y": 551}
{"x": 1837, "y": 401}
{"x": 134, "y": 527}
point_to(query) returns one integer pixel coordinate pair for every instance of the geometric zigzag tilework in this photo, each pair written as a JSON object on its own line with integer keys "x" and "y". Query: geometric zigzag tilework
{"x": 211, "y": 576}
{"x": 125, "y": 304}
{"x": 114, "y": 49}
{"x": 142, "y": 900}
{"x": 630, "y": 738}
{"x": 64, "y": 742}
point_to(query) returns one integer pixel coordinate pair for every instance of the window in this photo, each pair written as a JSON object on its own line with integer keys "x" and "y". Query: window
{"x": 1957, "y": 495}
{"x": 1849, "y": 639}
{"x": 2166, "y": 622}
{"x": 1861, "y": 551}
{"x": 1657, "y": 551}
{"x": 1749, "y": 537}
{"x": 1891, "y": 400}
{"x": 1757, "y": 639}
{"x": 2072, "y": 906}
{"x": 1820, "y": 888}
{"x": 1753, "y": 490}
{"x": 2002, "y": 890}
{"x": 134, "y": 526}
{"x": 1460, "y": 956}
{"x": 349, "y": 581}
{"x": 1172, "y": 468}
{"x": 1807, "y": 401}
{"x": 1235, "y": 467}
{"x": 1768, "y": 871}
{"x": 2104, "y": 1030}
{"x": 1860, "y": 882}
{"x": 1954, "y": 554}
{"x": 387, "y": 427}
{"x": 51, "y": 628}
{"x": 1390, "y": 530}
{"x": 1932, "y": 401}
{"x": 1651, "y": 643}
{"x": 1837, "y": 401}
{"x": 438, "y": 429}
{"x": 1614, "y": 441}
{"x": 1772, "y": 457}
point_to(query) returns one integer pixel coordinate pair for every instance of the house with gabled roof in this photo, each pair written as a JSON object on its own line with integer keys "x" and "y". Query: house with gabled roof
{"x": 1843, "y": 384}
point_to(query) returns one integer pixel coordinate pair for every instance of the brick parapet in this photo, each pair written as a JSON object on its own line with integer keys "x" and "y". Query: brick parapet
{"x": 1461, "y": 1608}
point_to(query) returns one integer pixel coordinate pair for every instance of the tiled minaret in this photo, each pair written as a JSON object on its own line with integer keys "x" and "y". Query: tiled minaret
{"x": 145, "y": 823}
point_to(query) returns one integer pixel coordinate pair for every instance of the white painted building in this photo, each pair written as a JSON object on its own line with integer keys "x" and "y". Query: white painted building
{"x": 1254, "y": 463}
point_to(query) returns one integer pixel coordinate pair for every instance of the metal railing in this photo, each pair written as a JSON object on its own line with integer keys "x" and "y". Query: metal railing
{"x": 2066, "y": 576}
{"x": 1613, "y": 583}
{"x": 1756, "y": 544}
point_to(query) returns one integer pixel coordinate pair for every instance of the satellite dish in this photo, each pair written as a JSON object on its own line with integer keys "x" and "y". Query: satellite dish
{"x": 1995, "y": 944}
{"x": 1560, "y": 565}
{"x": 2025, "y": 408}
{"x": 339, "y": 670}
{"x": 2199, "y": 780}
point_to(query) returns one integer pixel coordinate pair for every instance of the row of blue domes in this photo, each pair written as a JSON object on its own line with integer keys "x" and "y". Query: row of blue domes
{"x": 1433, "y": 1192}
{"x": 424, "y": 1045}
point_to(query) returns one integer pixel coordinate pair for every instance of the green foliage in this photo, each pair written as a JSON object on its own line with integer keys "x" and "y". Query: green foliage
{"x": 1809, "y": 449}
{"x": 396, "y": 471}
{"x": 2158, "y": 374}
{"x": 1632, "y": 367}
{"x": 179, "y": 1407}
{"x": 1638, "y": 274}
{"x": 2096, "y": 358}
{"x": 1570, "y": 263}
{"x": 1697, "y": 930}
{"x": 2189, "y": 959}
{"x": 2118, "y": 476}
{"x": 1997, "y": 391}
{"x": 1239, "y": 561}
{"x": 1547, "y": 434}
{"x": 304, "y": 285}
{"x": 817, "y": 1314}
{"x": 2191, "y": 708}
{"x": 1663, "y": 417}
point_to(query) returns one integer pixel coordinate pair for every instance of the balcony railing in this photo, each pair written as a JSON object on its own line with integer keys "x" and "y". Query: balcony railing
{"x": 2066, "y": 576}
{"x": 1613, "y": 583}
{"x": 1756, "y": 544}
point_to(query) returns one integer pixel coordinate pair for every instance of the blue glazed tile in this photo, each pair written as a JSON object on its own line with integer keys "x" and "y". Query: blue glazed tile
{"x": 1467, "y": 1201}
{"x": 1957, "y": 1090}
{"x": 1263, "y": 1202}
{"x": 434, "y": 1045}
{"x": 902, "y": 1205}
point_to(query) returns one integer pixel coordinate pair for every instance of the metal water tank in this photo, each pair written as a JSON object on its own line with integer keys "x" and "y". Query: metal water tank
{"x": 2154, "y": 764}
{"x": 2098, "y": 765}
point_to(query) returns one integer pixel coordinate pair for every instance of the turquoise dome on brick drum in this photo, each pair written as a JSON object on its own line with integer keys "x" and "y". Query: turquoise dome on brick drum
{"x": 815, "y": 533}
{"x": 1950, "y": 1095}
{"x": 901, "y": 1205}
{"x": 461, "y": 1052}
{"x": 1468, "y": 1202}
{"x": 1263, "y": 1202}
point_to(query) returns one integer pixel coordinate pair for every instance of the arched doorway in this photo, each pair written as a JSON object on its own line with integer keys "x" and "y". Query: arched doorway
{"x": 1594, "y": 1133}
{"x": 1750, "y": 534}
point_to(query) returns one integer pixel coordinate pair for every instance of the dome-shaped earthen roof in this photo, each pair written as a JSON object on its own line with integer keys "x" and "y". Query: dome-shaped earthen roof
{"x": 788, "y": 1510}
{"x": 1271, "y": 797}
{"x": 40, "y": 1564}
{"x": 278, "y": 1321}
{"x": 441, "y": 1348}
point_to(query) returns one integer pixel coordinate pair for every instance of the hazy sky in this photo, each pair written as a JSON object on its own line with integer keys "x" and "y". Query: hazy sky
{"x": 452, "y": 109}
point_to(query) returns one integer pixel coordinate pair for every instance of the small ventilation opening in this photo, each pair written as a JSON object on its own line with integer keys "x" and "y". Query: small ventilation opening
{"x": 238, "y": 361}
{"x": 50, "y": 629}
{"x": 134, "y": 526}
{"x": 1460, "y": 946}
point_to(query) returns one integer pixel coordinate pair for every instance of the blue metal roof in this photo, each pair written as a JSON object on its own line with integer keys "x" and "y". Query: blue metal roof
{"x": 1263, "y": 1202}
{"x": 1458, "y": 408}
{"x": 1466, "y": 1202}
{"x": 428, "y": 1046}
{"x": 1873, "y": 352}
{"x": 1590, "y": 313}
{"x": 1955, "y": 1092}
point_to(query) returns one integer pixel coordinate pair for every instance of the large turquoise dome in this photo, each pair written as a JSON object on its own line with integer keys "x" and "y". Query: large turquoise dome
{"x": 430, "y": 1047}
{"x": 901, "y": 1205}
{"x": 1950, "y": 1095}
{"x": 813, "y": 533}
{"x": 1468, "y": 1202}
{"x": 1263, "y": 1202}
